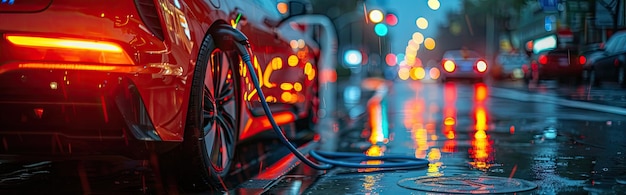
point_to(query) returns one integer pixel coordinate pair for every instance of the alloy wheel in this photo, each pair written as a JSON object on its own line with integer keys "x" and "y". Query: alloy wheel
{"x": 220, "y": 108}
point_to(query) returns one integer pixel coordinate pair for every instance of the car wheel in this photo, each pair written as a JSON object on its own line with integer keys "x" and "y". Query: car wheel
{"x": 593, "y": 78}
{"x": 213, "y": 119}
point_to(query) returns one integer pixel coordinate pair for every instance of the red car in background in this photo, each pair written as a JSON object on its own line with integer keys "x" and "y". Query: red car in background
{"x": 560, "y": 63}
{"x": 144, "y": 77}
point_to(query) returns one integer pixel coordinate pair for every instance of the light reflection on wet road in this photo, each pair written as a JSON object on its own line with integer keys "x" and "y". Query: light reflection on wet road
{"x": 463, "y": 130}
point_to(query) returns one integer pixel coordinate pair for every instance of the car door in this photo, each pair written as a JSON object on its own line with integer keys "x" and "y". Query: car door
{"x": 607, "y": 66}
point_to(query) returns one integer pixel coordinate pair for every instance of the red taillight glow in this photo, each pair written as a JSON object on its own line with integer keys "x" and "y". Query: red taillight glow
{"x": 481, "y": 66}
{"x": 62, "y": 43}
{"x": 582, "y": 60}
{"x": 543, "y": 59}
{"x": 449, "y": 66}
{"x": 67, "y": 50}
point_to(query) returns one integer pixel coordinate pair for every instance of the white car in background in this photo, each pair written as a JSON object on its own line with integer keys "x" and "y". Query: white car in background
{"x": 463, "y": 64}
{"x": 509, "y": 65}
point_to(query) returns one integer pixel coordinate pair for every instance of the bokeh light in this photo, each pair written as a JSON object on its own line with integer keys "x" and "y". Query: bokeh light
{"x": 418, "y": 62}
{"x": 391, "y": 59}
{"x": 391, "y": 19}
{"x": 381, "y": 29}
{"x": 353, "y": 57}
{"x": 421, "y": 23}
{"x": 376, "y": 16}
{"x": 301, "y": 43}
{"x": 417, "y": 73}
{"x": 414, "y": 45}
{"x": 293, "y": 44}
{"x": 403, "y": 73}
{"x": 293, "y": 60}
{"x": 434, "y": 73}
{"x": 434, "y": 4}
{"x": 429, "y": 43}
{"x": 400, "y": 57}
{"x": 282, "y": 7}
{"x": 410, "y": 59}
{"x": 418, "y": 37}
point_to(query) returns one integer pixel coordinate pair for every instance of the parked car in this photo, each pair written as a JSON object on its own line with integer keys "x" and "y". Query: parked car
{"x": 143, "y": 77}
{"x": 591, "y": 53}
{"x": 610, "y": 65}
{"x": 561, "y": 63}
{"x": 509, "y": 65}
{"x": 463, "y": 63}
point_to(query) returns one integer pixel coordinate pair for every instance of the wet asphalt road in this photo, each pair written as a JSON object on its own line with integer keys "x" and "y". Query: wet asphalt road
{"x": 563, "y": 139}
{"x": 558, "y": 138}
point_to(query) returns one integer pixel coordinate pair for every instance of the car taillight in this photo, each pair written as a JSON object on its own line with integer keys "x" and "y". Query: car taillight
{"x": 582, "y": 60}
{"x": 449, "y": 65}
{"x": 481, "y": 66}
{"x": 64, "y": 50}
{"x": 543, "y": 59}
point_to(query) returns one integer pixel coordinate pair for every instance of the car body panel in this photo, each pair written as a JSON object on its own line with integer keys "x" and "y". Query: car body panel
{"x": 607, "y": 65}
{"x": 559, "y": 63}
{"x": 149, "y": 92}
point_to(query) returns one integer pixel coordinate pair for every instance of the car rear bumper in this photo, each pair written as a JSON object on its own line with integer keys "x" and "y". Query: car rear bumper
{"x": 460, "y": 74}
{"x": 546, "y": 72}
{"x": 72, "y": 112}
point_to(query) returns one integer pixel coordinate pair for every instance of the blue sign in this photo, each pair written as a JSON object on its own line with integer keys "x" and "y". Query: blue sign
{"x": 548, "y": 23}
{"x": 549, "y": 5}
{"x": 10, "y": 2}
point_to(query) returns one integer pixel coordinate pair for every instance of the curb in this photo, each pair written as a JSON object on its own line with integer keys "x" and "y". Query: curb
{"x": 526, "y": 97}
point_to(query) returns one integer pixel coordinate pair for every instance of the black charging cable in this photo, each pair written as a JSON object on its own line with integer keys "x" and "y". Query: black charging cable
{"x": 332, "y": 159}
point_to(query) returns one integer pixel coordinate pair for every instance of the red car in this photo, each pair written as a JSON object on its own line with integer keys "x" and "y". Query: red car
{"x": 560, "y": 63}
{"x": 144, "y": 77}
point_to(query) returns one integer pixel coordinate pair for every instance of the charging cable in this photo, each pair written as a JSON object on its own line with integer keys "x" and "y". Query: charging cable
{"x": 332, "y": 159}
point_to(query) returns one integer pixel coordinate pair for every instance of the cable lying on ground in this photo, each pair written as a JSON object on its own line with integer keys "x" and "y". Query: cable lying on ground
{"x": 332, "y": 159}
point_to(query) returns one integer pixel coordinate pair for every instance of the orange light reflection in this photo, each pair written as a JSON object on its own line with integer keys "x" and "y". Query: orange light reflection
{"x": 449, "y": 123}
{"x": 481, "y": 146}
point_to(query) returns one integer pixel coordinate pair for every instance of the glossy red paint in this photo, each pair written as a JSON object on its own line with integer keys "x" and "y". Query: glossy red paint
{"x": 158, "y": 41}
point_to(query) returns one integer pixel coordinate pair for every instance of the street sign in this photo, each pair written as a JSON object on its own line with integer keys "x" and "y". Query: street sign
{"x": 549, "y": 5}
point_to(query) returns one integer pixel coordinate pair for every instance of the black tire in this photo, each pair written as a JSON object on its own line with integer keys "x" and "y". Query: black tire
{"x": 213, "y": 120}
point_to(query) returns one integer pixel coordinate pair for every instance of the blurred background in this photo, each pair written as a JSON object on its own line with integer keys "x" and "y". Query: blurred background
{"x": 392, "y": 39}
